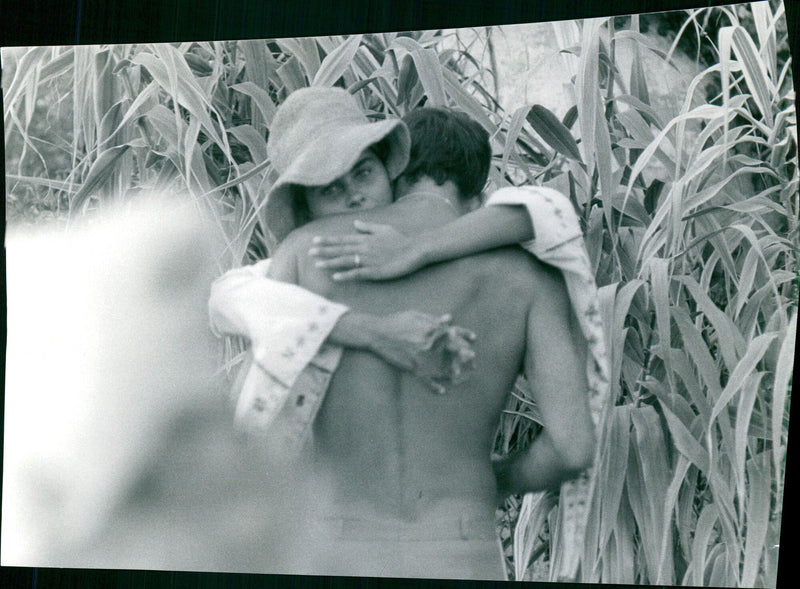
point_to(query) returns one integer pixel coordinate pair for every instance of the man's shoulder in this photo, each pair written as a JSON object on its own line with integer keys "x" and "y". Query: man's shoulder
{"x": 518, "y": 269}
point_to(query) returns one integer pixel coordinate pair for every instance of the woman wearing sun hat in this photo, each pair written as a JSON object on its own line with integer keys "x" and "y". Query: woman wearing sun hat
{"x": 316, "y": 137}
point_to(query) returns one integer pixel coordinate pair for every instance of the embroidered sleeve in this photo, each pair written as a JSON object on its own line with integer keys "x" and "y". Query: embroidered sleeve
{"x": 286, "y": 324}
{"x": 284, "y": 415}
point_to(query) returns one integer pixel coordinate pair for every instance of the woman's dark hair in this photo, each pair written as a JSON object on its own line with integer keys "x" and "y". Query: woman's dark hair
{"x": 448, "y": 145}
{"x": 300, "y": 210}
{"x": 381, "y": 149}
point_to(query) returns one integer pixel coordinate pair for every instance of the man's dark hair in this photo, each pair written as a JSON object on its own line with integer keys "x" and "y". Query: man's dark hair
{"x": 448, "y": 145}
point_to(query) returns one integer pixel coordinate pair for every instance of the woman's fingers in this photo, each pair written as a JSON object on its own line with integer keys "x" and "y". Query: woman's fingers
{"x": 354, "y": 274}
{"x": 437, "y": 387}
{"x": 341, "y": 263}
{"x": 466, "y": 334}
{"x": 349, "y": 239}
{"x": 367, "y": 227}
{"x": 334, "y": 251}
{"x": 364, "y": 229}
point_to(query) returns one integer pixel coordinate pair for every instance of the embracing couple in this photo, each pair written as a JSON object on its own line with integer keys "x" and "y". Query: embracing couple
{"x": 389, "y": 325}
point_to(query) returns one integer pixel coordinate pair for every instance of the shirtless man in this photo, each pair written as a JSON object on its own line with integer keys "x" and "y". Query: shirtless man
{"x": 409, "y": 488}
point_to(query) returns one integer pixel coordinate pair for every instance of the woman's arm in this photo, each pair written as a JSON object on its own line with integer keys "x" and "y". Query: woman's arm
{"x": 274, "y": 316}
{"x": 539, "y": 218}
{"x": 477, "y": 231}
{"x": 287, "y": 325}
{"x": 385, "y": 253}
{"x": 428, "y": 346}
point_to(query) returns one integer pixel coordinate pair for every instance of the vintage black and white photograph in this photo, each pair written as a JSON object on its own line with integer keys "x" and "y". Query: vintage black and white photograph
{"x": 512, "y": 302}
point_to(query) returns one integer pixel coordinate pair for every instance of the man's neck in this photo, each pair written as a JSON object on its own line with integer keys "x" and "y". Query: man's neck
{"x": 428, "y": 187}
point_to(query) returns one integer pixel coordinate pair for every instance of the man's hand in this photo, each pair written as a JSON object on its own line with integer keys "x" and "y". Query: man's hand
{"x": 427, "y": 346}
{"x": 376, "y": 252}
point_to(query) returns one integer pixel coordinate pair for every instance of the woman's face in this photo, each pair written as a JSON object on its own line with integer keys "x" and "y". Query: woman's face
{"x": 365, "y": 186}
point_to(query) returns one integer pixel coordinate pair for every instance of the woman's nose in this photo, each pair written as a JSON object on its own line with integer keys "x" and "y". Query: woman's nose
{"x": 354, "y": 198}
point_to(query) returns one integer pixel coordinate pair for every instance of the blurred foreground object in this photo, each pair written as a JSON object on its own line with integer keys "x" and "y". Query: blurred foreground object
{"x": 112, "y": 422}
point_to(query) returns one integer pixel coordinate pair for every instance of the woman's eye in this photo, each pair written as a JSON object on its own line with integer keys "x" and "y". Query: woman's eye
{"x": 330, "y": 190}
{"x": 363, "y": 172}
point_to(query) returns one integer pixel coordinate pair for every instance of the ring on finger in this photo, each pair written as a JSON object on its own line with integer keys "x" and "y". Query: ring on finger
{"x": 357, "y": 260}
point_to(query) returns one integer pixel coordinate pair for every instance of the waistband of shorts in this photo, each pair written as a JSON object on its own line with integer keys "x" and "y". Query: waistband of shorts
{"x": 463, "y": 527}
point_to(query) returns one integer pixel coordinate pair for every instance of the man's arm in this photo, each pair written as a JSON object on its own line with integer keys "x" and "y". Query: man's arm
{"x": 555, "y": 361}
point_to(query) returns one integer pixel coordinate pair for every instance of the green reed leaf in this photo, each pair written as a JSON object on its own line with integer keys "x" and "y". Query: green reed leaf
{"x": 744, "y": 412}
{"x": 780, "y": 392}
{"x": 259, "y": 70}
{"x": 625, "y": 549}
{"x": 755, "y": 351}
{"x": 306, "y": 52}
{"x": 99, "y": 173}
{"x": 650, "y": 449}
{"x": 697, "y": 349}
{"x": 21, "y": 83}
{"x": 336, "y": 62}
{"x": 406, "y": 81}
{"x": 757, "y": 518}
{"x": 291, "y": 75}
{"x": 685, "y": 442}
{"x": 463, "y": 100}
{"x": 729, "y": 340}
{"x": 746, "y": 280}
{"x": 512, "y": 134}
{"x": 587, "y": 90}
{"x": 253, "y": 140}
{"x": 659, "y": 276}
{"x": 702, "y": 535}
{"x": 638, "y": 78}
{"x": 428, "y": 69}
{"x": 755, "y": 72}
{"x": 553, "y": 132}
{"x": 530, "y": 523}
{"x": 171, "y": 67}
{"x": 260, "y": 98}
{"x": 611, "y": 472}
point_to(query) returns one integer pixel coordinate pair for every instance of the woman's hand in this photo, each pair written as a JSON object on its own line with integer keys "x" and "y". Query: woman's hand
{"x": 376, "y": 252}
{"x": 429, "y": 347}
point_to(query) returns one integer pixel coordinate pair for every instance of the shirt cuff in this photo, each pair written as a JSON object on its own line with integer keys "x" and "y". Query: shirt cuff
{"x": 286, "y": 354}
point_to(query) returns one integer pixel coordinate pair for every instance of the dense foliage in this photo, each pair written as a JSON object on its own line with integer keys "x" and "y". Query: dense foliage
{"x": 691, "y": 224}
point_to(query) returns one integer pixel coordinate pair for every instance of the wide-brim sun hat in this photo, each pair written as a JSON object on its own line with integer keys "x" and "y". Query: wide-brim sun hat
{"x": 316, "y": 136}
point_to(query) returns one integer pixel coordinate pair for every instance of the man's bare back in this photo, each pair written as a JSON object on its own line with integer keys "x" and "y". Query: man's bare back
{"x": 392, "y": 445}
{"x": 406, "y": 484}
